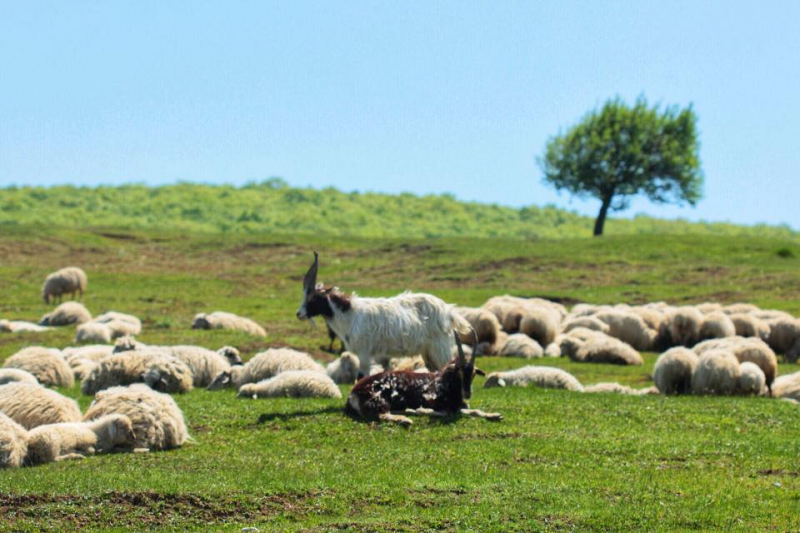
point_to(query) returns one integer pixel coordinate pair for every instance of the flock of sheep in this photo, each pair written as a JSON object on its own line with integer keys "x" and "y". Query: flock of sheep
{"x": 707, "y": 349}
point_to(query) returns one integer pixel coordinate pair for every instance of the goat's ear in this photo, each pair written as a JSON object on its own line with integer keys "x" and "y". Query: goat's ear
{"x": 479, "y": 372}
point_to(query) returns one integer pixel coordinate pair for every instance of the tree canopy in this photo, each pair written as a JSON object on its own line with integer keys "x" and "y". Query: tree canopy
{"x": 620, "y": 151}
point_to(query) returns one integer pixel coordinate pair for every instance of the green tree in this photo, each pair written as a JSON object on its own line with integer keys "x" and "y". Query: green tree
{"x": 621, "y": 151}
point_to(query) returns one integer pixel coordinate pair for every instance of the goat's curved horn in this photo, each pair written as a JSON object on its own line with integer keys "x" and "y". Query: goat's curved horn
{"x": 310, "y": 280}
{"x": 475, "y": 349}
{"x": 461, "y": 359}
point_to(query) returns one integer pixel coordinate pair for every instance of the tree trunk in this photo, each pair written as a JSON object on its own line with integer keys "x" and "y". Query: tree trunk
{"x": 600, "y": 221}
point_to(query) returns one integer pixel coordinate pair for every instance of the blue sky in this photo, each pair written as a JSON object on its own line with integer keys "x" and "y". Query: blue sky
{"x": 426, "y": 97}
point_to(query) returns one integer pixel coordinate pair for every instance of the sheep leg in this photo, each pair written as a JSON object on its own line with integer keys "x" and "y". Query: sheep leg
{"x": 480, "y": 414}
{"x": 141, "y": 450}
{"x": 397, "y": 419}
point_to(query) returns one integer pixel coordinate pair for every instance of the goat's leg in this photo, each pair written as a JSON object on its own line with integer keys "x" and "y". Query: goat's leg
{"x": 480, "y": 414}
{"x": 427, "y": 411}
{"x": 365, "y": 360}
{"x": 397, "y": 419}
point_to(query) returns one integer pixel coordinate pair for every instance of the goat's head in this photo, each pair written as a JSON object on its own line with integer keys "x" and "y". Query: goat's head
{"x": 319, "y": 300}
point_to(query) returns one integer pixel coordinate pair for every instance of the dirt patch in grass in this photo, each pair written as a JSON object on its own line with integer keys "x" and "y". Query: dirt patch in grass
{"x": 777, "y": 472}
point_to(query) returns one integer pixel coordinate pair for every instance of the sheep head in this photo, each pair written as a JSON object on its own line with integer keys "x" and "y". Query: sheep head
{"x": 220, "y": 381}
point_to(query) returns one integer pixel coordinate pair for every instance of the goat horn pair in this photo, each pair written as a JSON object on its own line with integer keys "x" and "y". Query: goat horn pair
{"x": 461, "y": 358}
{"x": 310, "y": 279}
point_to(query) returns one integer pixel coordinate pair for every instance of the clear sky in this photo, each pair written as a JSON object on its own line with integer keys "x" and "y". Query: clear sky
{"x": 425, "y": 97}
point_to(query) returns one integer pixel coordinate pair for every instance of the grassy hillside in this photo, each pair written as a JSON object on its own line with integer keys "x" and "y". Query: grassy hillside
{"x": 559, "y": 461}
{"x": 276, "y": 208}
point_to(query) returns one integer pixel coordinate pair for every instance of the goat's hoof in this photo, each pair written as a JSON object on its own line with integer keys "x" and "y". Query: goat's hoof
{"x": 494, "y": 417}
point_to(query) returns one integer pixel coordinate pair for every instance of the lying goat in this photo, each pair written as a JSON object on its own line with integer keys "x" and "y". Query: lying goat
{"x": 444, "y": 393}
{"x": 404, "y": 325}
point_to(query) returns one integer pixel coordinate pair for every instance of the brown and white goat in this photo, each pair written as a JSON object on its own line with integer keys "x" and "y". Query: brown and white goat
{"x": 404, "y": 325}
{"x": 386, "y": 395}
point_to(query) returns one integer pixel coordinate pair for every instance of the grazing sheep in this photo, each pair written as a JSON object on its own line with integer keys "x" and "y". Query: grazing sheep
{"x": 539, "y": 376}
{"x": 158, "y": 422}
{"x": 521, "y": 345}
{"x": 46, "y": 364}
{"x": 770, "y": 316}
{"x": 751, "y": 379}
{"x": 14, "y": 375}
{"x": 746, "y": 349}
{"x": 748, "y": 325}
{"x": 19, "y": 326}
{"x": 542, "y": 324}
{"x": 609, "y": 350}
{"x": 651, "y": 316}
{"x": 681, "y": 326}
{"x": 13, "y": 443}
{"x": 618, "y": 389}
{"x": 344, "y": 370}
{"x": 66, "y": 314}
{"x": 484, "y": 324}
{"x": 292, "y": 384}
{"x": 500, "y": 306}
{"x": 31, "y": 405}
{"x": 131, "y": 324}
{"x": 735, "y": 309}
{"x": 265, "y": 365}
{"x": 716, "y": 325}
{"x": 68, "y": 280}
{"x": 629, "y": 327}
{"x": 408, "y": 364}
{"x": 157, "y": 369}
{"x": 709, "y": 307}
{"x": 787, "y": 386}
{"x": 673, "y": 371}
{"x": 588, "y": 322}
{"x": 717, "y": 372}
{"x": 222, "y": 320}
{"x": 74, "y": 440}
{"x": 784, "y": 338}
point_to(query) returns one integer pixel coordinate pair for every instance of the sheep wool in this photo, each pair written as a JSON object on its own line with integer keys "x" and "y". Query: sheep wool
{"x": 616, "y": 388}
{"x": 13, "y": 443}
{"x": 673, "y": 371}
{"x": 540, "y": 323}
{"x": 588, "y": 322}
{"x": 68, "y": 280}
{"x": 716, "y": 325}
{"x": 747, "y": 325}
{"x": 344, "y": 370}
{"x": 787, "y": 386}
{"x": 717, "y": 372}
{"x": 158, "y": 422}
{"x": 14, "y": 375}
{"x": 521, "y": 345}
{"x": 66, "y": 314}
{"x": 158, "y": 369}
{"x": 682, "y": 326}
{"x": 538, "y": 376}
{"x": 57, "y": 442}
{"x": 46, "y": 364}
{"x": 751, "y": 379}
{"x": 19, "y": 326}
{"x": 293, "y": 384}
{"x": 483, "y": 322}
{"x": 94, "y": 332}
{"x": 784, "y": 338}
{"x": 608, "y": 350}
{"x": 629, "y": 327}
{"x": 222, "y": 320}
{"x": 265, "y": 365}
{"x": 746, "y": 349}
{"x": 32, "y": 405}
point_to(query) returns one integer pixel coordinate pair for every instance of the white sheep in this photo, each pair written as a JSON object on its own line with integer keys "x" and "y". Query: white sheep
{"x": 66, "y": 314}
{"x": 32, "y": 405}
{"x": 681, "y": 326}
{"x": 588, "y": 322}
{"x": 539, "y": 376}
{"x": 19, "y": 326}
{"x": 716, "y": 325}
{"x": 735, "y": 309}
{"x": 204, "y": 364}
{"x": 344, "y": 370}
{"x": 521, "y": 345}
{"x": 94, "y": 332}
{"x": 83, "y": 359}
{"x": 748, "y": 325}
{"x": 784, "y": 338}
{"x": 131, "y": 324}
{"x": 717, "y": 372}
{"x": 609, "y": 350}
{"x": 229, "y": 321}
{"x": 408, "y": 364}
{"x": 68, "y": 280}
{"x": 541, "y": 323}
{"x": 46, "y": 364}
{"x": 484, "y": 324}
{"x": 265, "y": 365}
{"x": 616, "y": 388}
{"x": 158, "y": 422}
{"x": 13, "y": 443}
{"x": 74, "y": 440}
{"x": 751, "y": 379}
{"x": 629, "y": 327}
{"x": 746, "y": 349}
{"x": 673, "y": 371}
{"x": 156, "y": 368}
{"x": 292, "y": 384}
{"x": 787, "y": 386}
{"x": 14, "y": 375}
{"x": 709, "y": 307}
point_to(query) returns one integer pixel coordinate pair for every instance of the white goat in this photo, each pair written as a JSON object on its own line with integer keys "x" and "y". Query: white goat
{"x": 406, "y": 324}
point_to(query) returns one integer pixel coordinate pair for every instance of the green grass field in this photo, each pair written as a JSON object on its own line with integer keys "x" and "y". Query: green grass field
{"x": 559, "y": 461}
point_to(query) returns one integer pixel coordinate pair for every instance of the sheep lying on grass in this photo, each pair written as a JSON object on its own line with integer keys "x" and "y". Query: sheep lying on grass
{"x": 157, "y": 420}
{"x": 344, "y": 370}
{"x": 222, "y": 320}
{"x": 787, "y": 386}
{"x": 66, "y": 314}
{"x": 13, "y": 443}
{"x": 746, "y": 349}
{"x": 156, "y": 368}
{"x": 14, "y": 375}
{"x": 681, "y": 326}
{"x": 784, "y": 338}
{"x": 484, "y": 324}
{"x": 588, "y": 346}
{"x": 539, "y": 376}
{"x": 619, "y": 389}
{"x": 747, "y": 325}
{"x": 85, "y": 358}
{"x": 716, "y": 325}
{"x": 521, "y": 345}
{"x": 75, "y": 440}
{"x": 588, "y": 322}
{"x": 70, "y": 280}
{"x": 32, "y": 405}
{"x": 107, "y": 327}
{"x": 19, "y": 326}
{"x": 629, "y": 327}
{"x": 673, "y": 371}
{"x": 46, "y": 364}
{"x": 265, "y": 365}
{"x": 292, "y": 384}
